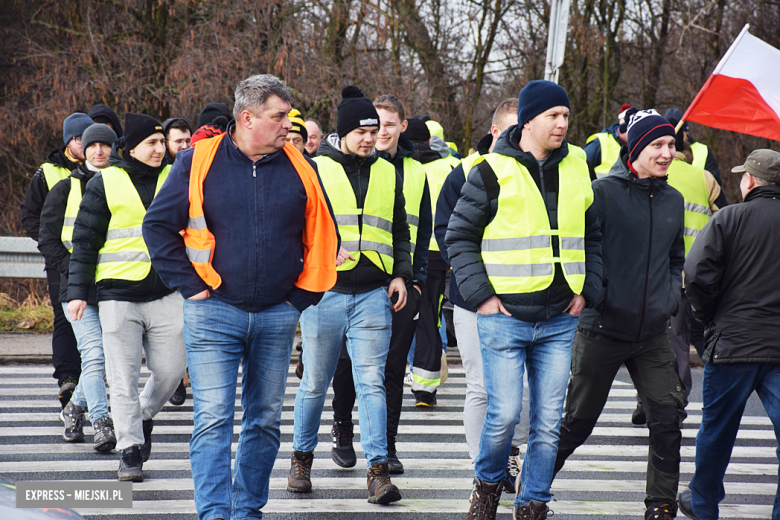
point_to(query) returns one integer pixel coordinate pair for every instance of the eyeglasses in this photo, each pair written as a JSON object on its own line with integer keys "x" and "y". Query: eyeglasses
{"x": 77, "y": 138}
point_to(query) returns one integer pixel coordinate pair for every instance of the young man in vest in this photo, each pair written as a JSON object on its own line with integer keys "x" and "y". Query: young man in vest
{"x": 58, "y": 165}
{"x": 524, "y": 244}
{"x": 139, "y": 315}
{"x": 426, "y": 365}
{"x": 55, "y": 242}
{"x": 259, "y": 246}
{"x": 395, "y": 148}
{"x": 643, "y": 253}
{"x": 603, "y": 149}
{"x": 465, "y": 317}
{"x": 374, "y": 266}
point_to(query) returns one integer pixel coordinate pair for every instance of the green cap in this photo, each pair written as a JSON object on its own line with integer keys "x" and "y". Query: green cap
{"x": 762, "y": 164}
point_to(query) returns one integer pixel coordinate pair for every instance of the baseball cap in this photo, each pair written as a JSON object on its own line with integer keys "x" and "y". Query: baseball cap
{"x": 762, "y": 164}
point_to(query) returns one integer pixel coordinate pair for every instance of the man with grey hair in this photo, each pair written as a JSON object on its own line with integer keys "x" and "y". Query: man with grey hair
{"x": 249, "y": 206}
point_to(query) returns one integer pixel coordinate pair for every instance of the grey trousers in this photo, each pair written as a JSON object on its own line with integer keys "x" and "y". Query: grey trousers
{"x": 475, "y": 406}
{"x": 130, "y": 330}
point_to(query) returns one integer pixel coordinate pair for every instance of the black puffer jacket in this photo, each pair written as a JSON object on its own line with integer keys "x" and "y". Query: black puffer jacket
{"x": 89, "y": 235}
{"x": 366, "y": 276}
{"x": 52, "y": 218}
{"x": 731, "y": 280}
{"x": 475, "y": 210}
{"x": 643, "y": 253}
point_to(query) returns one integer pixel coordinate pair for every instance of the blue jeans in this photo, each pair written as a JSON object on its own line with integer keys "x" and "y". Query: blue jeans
{"x": 91, "y": 390}
{"x": 725, "y": 390}
{"x": 509, "y": 347}
{"x": 365, "y": 321}
{"x": 218, "y": 337}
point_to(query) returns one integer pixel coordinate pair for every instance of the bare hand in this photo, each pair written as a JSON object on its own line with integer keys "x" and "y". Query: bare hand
{"x": 398, "y": 285}
{"x": 76, "y": 309}
{"x": 202, "y": 295}
{"x": 493, "y": 305}
{"x": 576, "y": 305}
{"x": 343, "y": 256}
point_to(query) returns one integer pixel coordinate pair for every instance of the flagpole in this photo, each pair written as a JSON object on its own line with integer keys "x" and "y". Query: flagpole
{"x": 721, "y": 64}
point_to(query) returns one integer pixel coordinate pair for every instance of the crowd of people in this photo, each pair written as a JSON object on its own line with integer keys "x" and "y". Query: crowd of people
{"x": 202, "y": 249}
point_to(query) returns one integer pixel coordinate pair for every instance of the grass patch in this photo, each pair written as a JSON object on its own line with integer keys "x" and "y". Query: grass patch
{"x": 33, "y": 314}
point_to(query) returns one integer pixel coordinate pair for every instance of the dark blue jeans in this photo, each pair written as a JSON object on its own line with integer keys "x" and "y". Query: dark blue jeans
{"x": 725, "y": 390}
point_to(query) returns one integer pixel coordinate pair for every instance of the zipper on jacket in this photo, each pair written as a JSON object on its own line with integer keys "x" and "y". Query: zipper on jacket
{"x": 647, "y": 267}
{"x": 254, "y": 170}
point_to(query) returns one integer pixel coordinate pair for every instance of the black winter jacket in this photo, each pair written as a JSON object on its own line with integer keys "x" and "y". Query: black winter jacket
{"x": 643, "y": 253}
{"x": 89, "y": 235}
{"x": 365, "y": 276}
{"x": 52, "y": 218}
{"x": 475, "y": 210}
{"x": 732, "y": 282}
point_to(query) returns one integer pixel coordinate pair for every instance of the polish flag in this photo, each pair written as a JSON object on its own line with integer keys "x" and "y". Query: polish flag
{"x": 743, "y": 93}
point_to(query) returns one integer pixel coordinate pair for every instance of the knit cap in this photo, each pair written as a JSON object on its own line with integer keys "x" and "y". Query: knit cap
{"x": 138, "y": 127}
{"x": 97, "y": 133}
{"x": 354, "y": 111}
{"x": 213, "y": 111}
{"x": 673, "y": 115}
{"x": 624, "y": 117}
{"x": 644, "y": 127}
{"x": 539, "y": 96}
{"x": 74, "y": 126}
{"x": 298, "y": 124}
{"x": 417, "y": 130}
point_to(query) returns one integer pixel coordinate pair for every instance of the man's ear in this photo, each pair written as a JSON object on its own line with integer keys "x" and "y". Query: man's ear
{"x": 404, "y": 125}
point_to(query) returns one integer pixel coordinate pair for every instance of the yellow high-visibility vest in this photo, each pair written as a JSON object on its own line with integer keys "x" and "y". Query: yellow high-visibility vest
{"x": 576, "y": 151}
{"x": 54, "y": 174}
{"x": 414, "y": 185}
{"x": 610, "y": 152}
{"x": 375, "y": 237}
{"x": 71, "y": 211}
{"x": 124, "y": 255}
{"x": 700, "y": 152}
{"x": 436, "y": 172}
{"x": 689, "y": 181}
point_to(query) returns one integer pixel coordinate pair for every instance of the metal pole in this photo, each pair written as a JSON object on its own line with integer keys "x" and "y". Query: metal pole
{"x": 556, "y": 38}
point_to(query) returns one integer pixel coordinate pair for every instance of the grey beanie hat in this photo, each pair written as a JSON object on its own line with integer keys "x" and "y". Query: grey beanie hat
{"x": 97, "y": 133}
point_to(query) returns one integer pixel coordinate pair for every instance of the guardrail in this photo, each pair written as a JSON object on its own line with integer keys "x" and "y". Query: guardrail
{"x": 20, "y": 258}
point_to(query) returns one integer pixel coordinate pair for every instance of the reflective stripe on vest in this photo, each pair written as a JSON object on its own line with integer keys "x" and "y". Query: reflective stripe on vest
{"x": 689, "y": 181}
{"x": 124, "y": 255}
{"x": 516, "y": 245}
{"x": 54, "y": 174}
{"x": 610, "y": 152}
{"x": 436, "y": 172}
{"x": 71, "y": 211}
{"x": 374, "y": 238}
{"x": 414, "y": 185}
{"x": 700, "y": 153}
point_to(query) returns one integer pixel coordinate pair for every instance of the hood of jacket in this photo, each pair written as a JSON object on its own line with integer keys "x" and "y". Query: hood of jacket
{"x": 483, "y": 146}
{"x": 57, "y": 157}
{"x": 101, "y": 110}
{"x": 331, "y": 147}
{"x": 424, "y": 153}
{"x": 83, "y": 172}
{"x": 439, "y": 146}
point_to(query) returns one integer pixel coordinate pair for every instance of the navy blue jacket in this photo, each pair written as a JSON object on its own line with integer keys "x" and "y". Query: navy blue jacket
{"x": 255, "y": 211}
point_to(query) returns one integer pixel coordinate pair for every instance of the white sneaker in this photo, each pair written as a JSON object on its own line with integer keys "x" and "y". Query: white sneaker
{"x": 408, "y": 379}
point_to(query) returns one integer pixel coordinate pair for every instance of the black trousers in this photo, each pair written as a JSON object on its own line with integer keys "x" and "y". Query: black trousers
{"x": 680, "y": 333}
{"x": 404, "y": 324}
{"x": 428, "y": 346}
{"x": 64, "y": 349}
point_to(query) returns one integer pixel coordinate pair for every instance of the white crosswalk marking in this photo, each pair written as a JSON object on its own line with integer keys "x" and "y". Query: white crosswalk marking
{"x": 604, "y": 478}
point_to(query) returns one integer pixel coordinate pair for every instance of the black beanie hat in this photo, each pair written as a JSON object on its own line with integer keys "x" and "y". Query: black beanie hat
{"x": 213, "y": 111}
{"x": 355, "y": 110}
{"x": 417, "y": 130}
{"x": 138, "y": 127}
{"x": 644, "y": 127}
{"x": 539, "y": 96}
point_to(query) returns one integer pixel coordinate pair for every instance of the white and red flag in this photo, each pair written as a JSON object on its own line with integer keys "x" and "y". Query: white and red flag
{"x": 743, "y": 93}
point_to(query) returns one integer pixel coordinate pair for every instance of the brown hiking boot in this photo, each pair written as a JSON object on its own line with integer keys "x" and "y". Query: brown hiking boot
{"x": 533, "y": 510}
{"x": 299, "y": 480}
{"x": 484, "y": 500}
{"x": 380, "y": 489}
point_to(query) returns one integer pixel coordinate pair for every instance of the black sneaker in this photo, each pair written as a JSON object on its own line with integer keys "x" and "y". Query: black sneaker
{"x": 146, "y": 447}
{"x": 179, "y": 395}
{"x": 342, "y": 452}
{"x": 67, "y": 386}
{"x": 511, "y": 482}
{"x": 424, "y": 399}
{"x": 72, "y": 417}
{"x": 131, "y": 465}
{"x": 684, "y": 504}
{"x": 393, "y": 464}
{"x": 104, "y": 439}
{"x": 638, "y": 418}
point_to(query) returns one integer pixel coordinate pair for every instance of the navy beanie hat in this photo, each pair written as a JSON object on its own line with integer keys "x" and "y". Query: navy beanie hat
{"x": 539, "y": 96}
{"x": 644, "y": 127}
{"x": 138, "y": 127}
{"x": 354, "y": 111}
{"x": 74, "y": 126}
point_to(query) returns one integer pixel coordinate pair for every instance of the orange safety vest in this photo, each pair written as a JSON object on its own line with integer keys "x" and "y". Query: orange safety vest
{"x": 320, "y": 241}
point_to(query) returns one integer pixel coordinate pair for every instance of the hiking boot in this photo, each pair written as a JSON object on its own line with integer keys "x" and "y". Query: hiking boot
{"x": 393, "y": 464}
{"x": 380, "y": 489}
{"x": 146, "y": 447}
{"x": 104, "y": 439}
{"x": 342, "y": 452}
{"x": 484, "y": 500}
{"x": 299, "y": 480}
{"x": 67, "y": 386}
{"x": 662, "y": 512}
{"x": 638, "y": 418}
{"x": 684, "y": 503}
{"x": 131, "y": 465}
{"x": 179, "y": 395}
{"x": 511, "y": 482}
{"x": 72, "y": 417}
{"x": 533, "y": 510}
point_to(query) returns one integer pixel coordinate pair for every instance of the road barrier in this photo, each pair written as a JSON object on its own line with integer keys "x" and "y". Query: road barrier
{"x": 20, "y": 258}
